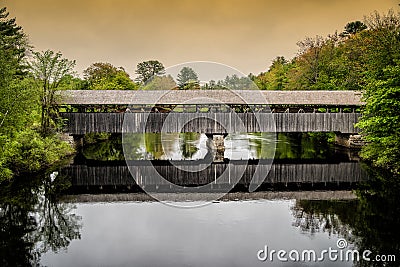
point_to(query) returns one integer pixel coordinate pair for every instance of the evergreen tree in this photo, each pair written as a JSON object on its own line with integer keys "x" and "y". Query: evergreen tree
{"x": 188, "y": 79}
{"x": 13, "y": 41}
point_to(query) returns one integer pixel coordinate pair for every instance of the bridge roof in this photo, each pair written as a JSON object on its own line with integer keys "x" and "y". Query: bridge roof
{"x": 127, "y": 97}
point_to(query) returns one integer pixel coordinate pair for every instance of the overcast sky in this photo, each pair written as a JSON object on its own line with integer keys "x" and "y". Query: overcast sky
{"x": 246, "y": 35}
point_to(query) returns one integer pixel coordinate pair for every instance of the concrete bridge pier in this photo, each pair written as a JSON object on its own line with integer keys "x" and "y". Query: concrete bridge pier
{"x": 216, "y": 143}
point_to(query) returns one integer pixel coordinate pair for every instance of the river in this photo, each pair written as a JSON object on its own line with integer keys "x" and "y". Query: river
{"x": 91, "y": 212}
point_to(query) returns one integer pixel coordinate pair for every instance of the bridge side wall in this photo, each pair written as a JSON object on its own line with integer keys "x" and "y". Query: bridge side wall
{"x": 82, "y": 123}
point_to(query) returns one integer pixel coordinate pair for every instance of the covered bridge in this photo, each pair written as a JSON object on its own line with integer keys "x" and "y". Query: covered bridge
{"x": 255, "y": 111}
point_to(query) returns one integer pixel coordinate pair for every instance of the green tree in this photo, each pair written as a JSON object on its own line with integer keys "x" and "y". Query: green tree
{"x": 354, "y": 27}
{"x": 104, "y": 76}
{"x": 49, "y": 69}
{"x": 380, "y": 59}
{"x": 278, "y": 74}
{"x": 380, "y": 45}
{"x": 154, "y": 145}
{"x": 15, "y": 91}
{"x": 71, "y": 82}
{"x": 13, "y": 40}
{"x": 109, "y": 149}
{"x": 307, "y": 65}
{"x": 212, "y": 85}
{"x": 325, "y": 64}
{"x": 98, "y": 71}
{"x": 160, "y": 82}
{"x": 187, "y": 79}
{"x": 381, "y": 119}
{"x": 147, "y": 69}
{"x": 17, "y": 95}
{"x": 276, "y": 78}
{"x": 18, "y": 104}
{"x": 261, "y": 81}
{"x": 23, "y": 148}
{"x": 234, "y": 82}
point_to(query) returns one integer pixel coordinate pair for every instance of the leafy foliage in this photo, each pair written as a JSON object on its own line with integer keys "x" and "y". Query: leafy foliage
{"x": 381, "y": 120}
{"x": 29, "y": 152}
{"x": 103, "y": 148}
{"x": 366, "y": 56}
{"x": 331, "y": 63}
{"x": 22, "y": 98}
{"x": 104, "y": 76}
{"x": 276, "y": 77}
{"x": 354, "y": 27}
{"x": 234, "y": 82}
{"x": 159, "y": 82}
{"x": 49, "y": 69}
{"x": 381, "y": 115}
{"x": 147, "y": 69}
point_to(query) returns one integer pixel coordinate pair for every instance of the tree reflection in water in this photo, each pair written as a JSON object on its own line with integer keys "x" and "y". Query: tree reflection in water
{"x": 371, "y": 222}
{"x": 326, "y": 216}
{"x": 189, "y": 143}
{"x": 33, "y": 221}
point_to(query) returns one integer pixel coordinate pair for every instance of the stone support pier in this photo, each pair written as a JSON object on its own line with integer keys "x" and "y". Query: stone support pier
{"x": 215, "y": 142}
{"x": 349, "y": 140}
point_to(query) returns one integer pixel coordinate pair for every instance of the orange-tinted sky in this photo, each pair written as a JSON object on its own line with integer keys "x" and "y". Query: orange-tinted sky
{"x": 245, "y": 34}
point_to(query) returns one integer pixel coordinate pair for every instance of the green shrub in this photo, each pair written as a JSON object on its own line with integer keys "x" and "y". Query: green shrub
{"x": 28, "y": 151}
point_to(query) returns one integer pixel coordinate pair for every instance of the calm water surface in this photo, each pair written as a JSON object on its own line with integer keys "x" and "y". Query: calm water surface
{"x": 42, "y": 226}
{"x": 153, "y": 234}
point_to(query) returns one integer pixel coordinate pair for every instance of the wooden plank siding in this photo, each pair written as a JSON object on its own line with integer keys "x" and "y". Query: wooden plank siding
{"x": 82, "y": 123}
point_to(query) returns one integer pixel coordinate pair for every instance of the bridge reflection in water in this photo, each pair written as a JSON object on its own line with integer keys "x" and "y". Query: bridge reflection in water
{"x": 301, "y": 175}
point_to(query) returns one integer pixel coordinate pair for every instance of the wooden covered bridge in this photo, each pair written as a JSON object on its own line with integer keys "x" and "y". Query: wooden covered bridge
{"x": 209, "y": 111}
